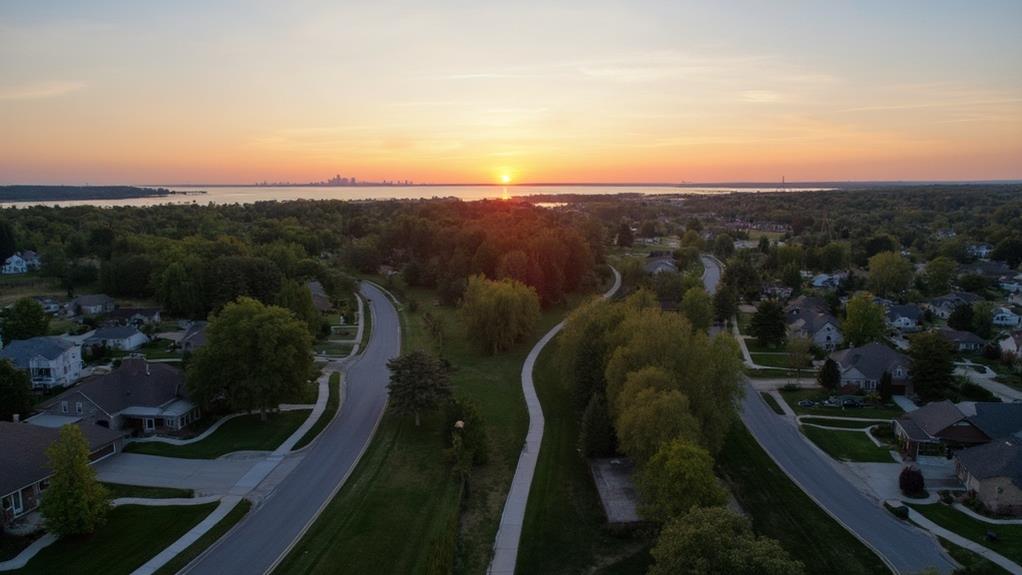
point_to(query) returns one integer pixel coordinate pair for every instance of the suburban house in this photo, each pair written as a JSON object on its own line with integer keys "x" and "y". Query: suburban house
{"x": 660, "y": 264}
{"x": 987, "y": 269}
{"x": 942, "y": 427}
{"x": 776, "y": 291}
{"x": 1004, "y": 317}
{"x": 25, "y": 467}
{"x": 824, "y": 281}
{"x": 943, "y": 306}
{"x": 136, "y": 316}
{"x": 15, "y": 264}
{"x": 962, "y": 340}
{"x": 864, "y": 366}
{"x": 993, "y": 472}
{"x": 92, "y": 304}
{"x": 137, "y": 397}
{"x": 904, "y": 317}
{"x": 980, "y": 250}
{"x": 320, "y": 299}
{"x": 50, "y": 305}
{"x": 49, "y": 361}
{"x": 123, "y": 338}
{"x": 1010, "y": 343}
{"x": 194, "y": 337}
{"x": 1011, "y": 284}
{"x": 810, "y": 317}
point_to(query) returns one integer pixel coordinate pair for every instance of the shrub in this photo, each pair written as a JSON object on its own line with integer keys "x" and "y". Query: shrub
{"x": 901, "y": 512}
{"x": 911, "y": 481}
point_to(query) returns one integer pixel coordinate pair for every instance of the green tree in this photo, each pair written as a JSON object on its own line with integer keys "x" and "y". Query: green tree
{"x": 691, "y": 238}
{"x": 24, "y": 319}
{"x": 8, "y": 244}
{"x": 961, "y": 317}
{"x": 939, "y": 273}
{"x": 829, "y": 376}
{"x": 865, "y": 320}
{"x": 1008, "y": 250}
{"x": 723, "y": 246}
{"x": 297, "y": 298}
{"x": 764, "y": 244}
{"x": 15, "y": 391}
{"x": 889, "y": 273}
{"x": 625, "y": 238}
{"x": 584, "y": 347}
{"x": 697, "y": 306}
{"x": 932, "y": 365}
{"x": 596, "y": 433}
{"x": 255, "y": 357}
{"x": 75, "y": 502}
{"x": 792, "y": 277}
{"x": 652, "y": 418}
{"x": 499, "y": 314}
{"x": 799, "y": 350}
{"x": 983, "y": 319}
{"x": 418, "y": 382}
{"x": 725, "y": 303}
{"x": 178, "y": 288}
{"x": 768, "y": 323}
{"x": 715, "y": 540}
{"x": 676, "y": 479}
{"x": 886, "y": 386}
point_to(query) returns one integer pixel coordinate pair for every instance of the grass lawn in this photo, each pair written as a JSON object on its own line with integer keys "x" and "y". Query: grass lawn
{"x": 972, "y": 563}
{"x": 779, "y": 509}
{"x": 132, "y": 535}
{"x": 192, "y": 551}
{"x": 777, "y": 373}
{"x": 754, "y": 347}
{"x": 156, "y": 349}
{"x": 117, "y": 490}
{"x": 777, "y": 360}
{"x": 245, "y": 433}
{"x": 403, "y": 485}
{"x": 769, "y": 399}
{"x": 847, "y": 424}
{"x": 332, "y": 403}
{"x": 11, "y": 546}
{"x": 564, "y": 521}
{"x": 1010, "y": 544}
{"x": 331, "y": 348}
{"x": 847, "y": 445}
{"x": 367, "y": 328}
{"x": 890, "y": 411}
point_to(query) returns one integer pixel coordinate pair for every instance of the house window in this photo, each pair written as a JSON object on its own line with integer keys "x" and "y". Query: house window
{"x": 78, "y": 408}
{"x": 149, "y": 424}
{"x": 63, "y": 407}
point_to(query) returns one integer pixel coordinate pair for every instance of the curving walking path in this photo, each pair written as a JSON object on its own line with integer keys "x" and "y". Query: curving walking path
{"x": 505, "y": 546}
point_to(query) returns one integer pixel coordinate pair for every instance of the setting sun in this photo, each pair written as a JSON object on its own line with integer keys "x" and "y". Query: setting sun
{"x": 505, "y": 179}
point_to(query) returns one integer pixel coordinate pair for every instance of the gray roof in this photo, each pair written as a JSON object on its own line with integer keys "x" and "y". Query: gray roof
{"x": 320, "y": 299}
{"x": 934, "y": 417}
{"x": 113, "y": 332}
{"x": 809, "y": 313}
{"x": 130, "y": 312}
{"x": 910, "y": 311}
{"x": 959, "y": 336}
{"x": 955, "y": 298}
{"x": 195, "y": 336}
{"x": 872, "y": 359}
{"x": 93, "y": 299}
{"x": 997, "y": 420}
{"x": 23, "y": 459}
{"x": 1001, "y": 458}
{"x": 135, "y": 383}
{"x": 660, "y": 264}
{"x": 20, "y": 351}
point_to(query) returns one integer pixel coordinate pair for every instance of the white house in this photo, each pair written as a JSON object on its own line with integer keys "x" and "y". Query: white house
{"x": 14, "y": 265}
{"x": 50, "y": 361}
{"x": 981, "y": 250}
{"x": 1010, "y": 343}
{"x": 904, "y": 317}
{"x": 1011, "y": 285}
{"x": 809, "y": 317}
{"x": 1004, "y": 317}
{"x": 124, "y": 338}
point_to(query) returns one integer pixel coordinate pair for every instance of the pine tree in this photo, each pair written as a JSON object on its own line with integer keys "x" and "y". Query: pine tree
{"x": 830, "y": 375}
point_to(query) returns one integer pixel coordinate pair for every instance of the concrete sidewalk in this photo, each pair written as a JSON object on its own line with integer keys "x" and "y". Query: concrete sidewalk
{"x": 226, "y": 505}
{"x": 960, "y": 541}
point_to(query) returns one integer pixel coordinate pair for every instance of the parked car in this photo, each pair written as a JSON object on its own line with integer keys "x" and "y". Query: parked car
{"x": 851, "y": 404}
{"x": 807, "y": 403}
{"x": 830, "y": 403}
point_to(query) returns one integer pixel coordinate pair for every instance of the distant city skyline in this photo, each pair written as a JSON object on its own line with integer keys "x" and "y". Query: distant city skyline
{"x": 231, "y": 92}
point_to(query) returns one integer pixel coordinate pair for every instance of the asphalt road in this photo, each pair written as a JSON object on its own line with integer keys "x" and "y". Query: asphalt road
{"x": 267, "y": 532}
{"x": 711, "y": 277}
{"x": 908, "y": 549}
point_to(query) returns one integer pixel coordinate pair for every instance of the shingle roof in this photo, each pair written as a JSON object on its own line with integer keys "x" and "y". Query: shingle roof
{"x": 20, "y": 351}
{"x": 1002, "y": 458}
{"x": 809, "y": 313}
{"x": 23, "y": 459}
{"x": 135, "y": 383}
{"x": 997, "y": 420}
{"x": 959, "y": 336}
{"x": 195, "y": 336}
{"x": 908, "y": 310}
{"x": 654, "y": 265}
{"x": 130, "y": 312}
{"x": 935, "y": 417}
{"x": 93, "y": 299}
{"x": 872, "y": 359}
{"x": 114, "y": 332}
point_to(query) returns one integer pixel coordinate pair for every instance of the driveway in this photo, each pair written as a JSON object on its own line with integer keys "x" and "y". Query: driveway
{"x": 268, "y": 532}
{"x": 205, "y": 476}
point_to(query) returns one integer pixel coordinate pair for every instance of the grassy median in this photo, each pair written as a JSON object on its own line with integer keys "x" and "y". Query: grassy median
{"x": 332, "y": 403}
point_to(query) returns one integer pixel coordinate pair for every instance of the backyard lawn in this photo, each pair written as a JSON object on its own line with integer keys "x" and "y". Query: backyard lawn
{"x": 244, "y": 433}
{"x": 208, "y": 538}
{"x": 779, "y": 509}
{"x": 1010, "y": 536}
{"x": 793, "y": 397}
{"x": 132, "y": 535}
{"x": 847, "y": 445}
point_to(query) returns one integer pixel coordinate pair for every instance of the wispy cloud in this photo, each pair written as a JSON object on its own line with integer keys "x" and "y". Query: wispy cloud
{"x": 761, "y": 96}
{"x": 39, "y": 91}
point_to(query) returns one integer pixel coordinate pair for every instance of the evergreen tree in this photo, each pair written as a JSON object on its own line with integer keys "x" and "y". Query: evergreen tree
{"x": 75, "y": 502}
{"x": 15, "y": 391}
{"x": 961, "y": 317}
{"x": 932, "y": 365}
{"x": 830, "y": 375}
{"x": 625, "y": 238}
{"x": 886, "y": 386}
{"x": 596, "y": 433}
{"x": 768, "y": 325}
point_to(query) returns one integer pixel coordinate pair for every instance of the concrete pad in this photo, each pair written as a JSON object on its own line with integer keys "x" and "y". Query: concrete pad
{"x": 205, "y": 476}
{"x": 613, "y": 478}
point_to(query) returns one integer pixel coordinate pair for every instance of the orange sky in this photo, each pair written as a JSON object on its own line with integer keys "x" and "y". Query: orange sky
{"x": 594, "y": 91}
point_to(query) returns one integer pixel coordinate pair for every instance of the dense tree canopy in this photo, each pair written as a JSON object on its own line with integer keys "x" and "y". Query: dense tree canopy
{"x": 932, "y": 365}
{"x": 499, "y": 314}
{"x": 865, "y": 320}
{"x": 889, "y": 273}
{"x": 418, "y": 382}
{"x": 23, "y": 320}
{"x": 15, "y": 391}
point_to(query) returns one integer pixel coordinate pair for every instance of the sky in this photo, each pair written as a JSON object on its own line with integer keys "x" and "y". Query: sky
{"x": 445, "y": 91}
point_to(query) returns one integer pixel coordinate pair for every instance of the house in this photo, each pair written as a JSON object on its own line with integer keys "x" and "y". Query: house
{"x": 32, "y": 260}
{"x": 825, "y": 281}
{"x": 904, "y": 317}
{"x": 92, "y": 304}
{"x": 945, "y": 234}
{"x": 25, "y": 467}
{"x": 194, "y": 337}
{"x": 1010, "y": 284}
{"x": 993, "y": 472}
{"x": 942, "y": 427}
{"x": 864, "y": 366}
{"x": 14, "y": 264}
{"x": 50, "y": 305}
{"x": 980, "y": 250}
{"x": 49, "y": 361}
{"x": 987, "y": 269}
{"x": 137, "y": 397}
{"x": 944, "y": 305}
{"x": 776, "y": 291}
{"x": 136, "y": 316}
{"x": 657, "y": 265}
{"x": 123, "y": 338}
{"x": 962, "y": 340}
{"x": 810, "y": 317}
{"x": 320, "y": 299}
{"x": 1010, "y": 343}
{"x": 1005, "y": 317}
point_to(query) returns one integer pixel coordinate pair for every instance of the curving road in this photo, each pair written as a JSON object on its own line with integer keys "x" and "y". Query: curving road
{"x": 268, "y": 532}
{"x": 903, "y": 547}
{"x": 505, "y": 546}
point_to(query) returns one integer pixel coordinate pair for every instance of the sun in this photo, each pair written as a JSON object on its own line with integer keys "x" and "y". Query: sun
{"x": 505, "y": 179}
